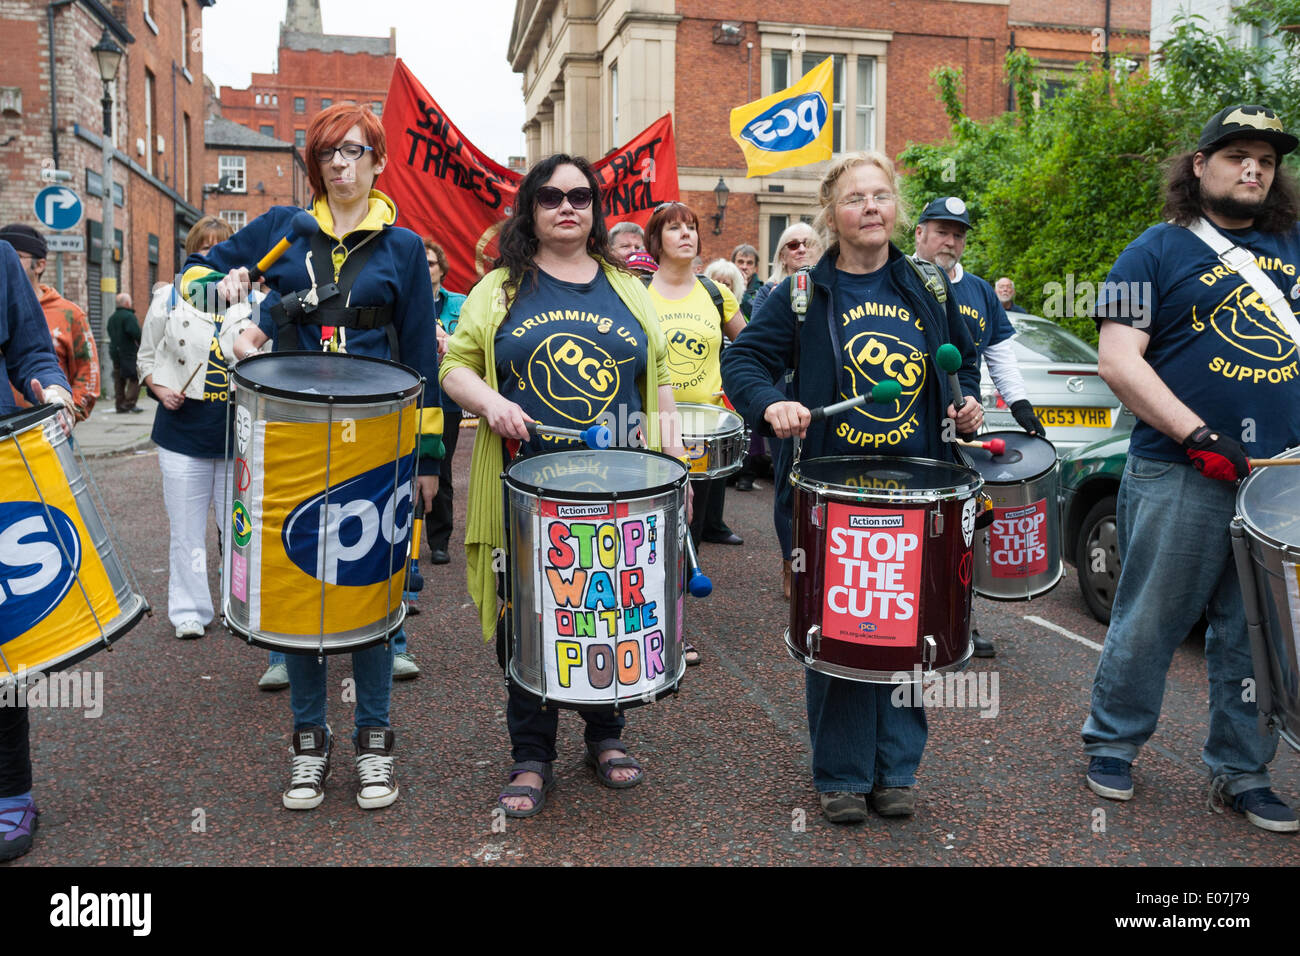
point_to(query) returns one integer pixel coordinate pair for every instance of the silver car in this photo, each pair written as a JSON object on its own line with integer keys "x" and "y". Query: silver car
{"x": 1060, "y": 370}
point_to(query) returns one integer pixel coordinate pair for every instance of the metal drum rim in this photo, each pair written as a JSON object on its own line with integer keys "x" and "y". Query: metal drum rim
{"x": 240, "y": 380}
{"x": 260, "y": 640}
{"x": 879, "y": 677}
{"x": 537, "y": 491}
{"x": 23, "y": 420}
{"x": 832, "y": 490}
{"x": 123, "y": 624}
{"x": 625, "y": 703}
{"x": 1253, "y": 530}
{"x": 1054, "y": 466}
{"x": 739, "y": 426}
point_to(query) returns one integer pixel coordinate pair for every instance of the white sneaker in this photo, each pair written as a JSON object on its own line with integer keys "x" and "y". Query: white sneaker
{"x": 404, "y": 667}
{"x": 378, "y": 787}
{"x": 187, "y": 630}
{"x": 311, "y": 765}
{"x": 275, "y": 678}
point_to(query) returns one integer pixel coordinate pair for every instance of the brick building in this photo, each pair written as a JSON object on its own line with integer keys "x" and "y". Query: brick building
{"x": 51, "y": 118}
{"x": 1061, "y": 35}
{"x": 314, "y": 69}
{"x": 596, "y": 72}
{"x": 245, "y": 173}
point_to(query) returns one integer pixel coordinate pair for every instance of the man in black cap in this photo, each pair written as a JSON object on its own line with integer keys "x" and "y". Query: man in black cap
{"x": 941, "y": 239}
{"x": 1199, "y": 339}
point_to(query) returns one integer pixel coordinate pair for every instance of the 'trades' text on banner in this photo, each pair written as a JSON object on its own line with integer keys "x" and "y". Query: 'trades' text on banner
{"x": 446, "y": 187}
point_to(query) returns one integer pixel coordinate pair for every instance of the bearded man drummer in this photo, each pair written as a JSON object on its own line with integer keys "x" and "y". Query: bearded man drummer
{"x": 1190, "y": 342}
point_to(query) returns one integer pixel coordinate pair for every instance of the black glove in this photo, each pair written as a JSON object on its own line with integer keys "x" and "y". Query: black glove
{"x": 1216, "y": 456}
{"x": 1026, "y": 419}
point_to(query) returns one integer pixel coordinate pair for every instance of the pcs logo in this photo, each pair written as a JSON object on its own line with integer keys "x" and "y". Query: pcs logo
{"x": 788, "y": 125}
{"x": 360, "y": 537}
{"x": 686, "y": 352}
{"x": 872, "y": 357}
{"x": 34, "y": 573}
{"x": 1245, "y": 321}
{"x": 574, "y": 376}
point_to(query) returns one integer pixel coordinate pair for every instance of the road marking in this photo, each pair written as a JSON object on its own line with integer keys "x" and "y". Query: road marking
{"x": 1062, "y": 631}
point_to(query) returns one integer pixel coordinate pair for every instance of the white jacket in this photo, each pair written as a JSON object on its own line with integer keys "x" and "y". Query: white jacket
{"x": 177, "y": 338}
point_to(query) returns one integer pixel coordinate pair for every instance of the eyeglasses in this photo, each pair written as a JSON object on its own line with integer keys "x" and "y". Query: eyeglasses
{"x": 548, "y": 197}
{"x": 857, "y": 199}
{"x": 664, "y": 205}
{"x": 796, "y": 244}
{"x": 349, "y": 151}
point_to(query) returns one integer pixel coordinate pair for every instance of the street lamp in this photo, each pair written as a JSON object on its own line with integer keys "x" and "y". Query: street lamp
{"x": 109, "y": 57}
{"x": 720, "y": 192}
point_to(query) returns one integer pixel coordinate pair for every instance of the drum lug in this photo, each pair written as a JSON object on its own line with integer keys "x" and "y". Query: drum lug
{"x": 819, "y": 515}
{"x": 813, "y": 642}
{"x": 929, "y": 653}
{"x": 936, "y": 523}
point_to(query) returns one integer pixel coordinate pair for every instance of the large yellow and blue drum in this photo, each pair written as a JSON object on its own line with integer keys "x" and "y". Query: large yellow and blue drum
{"x": 324, "y": 449}
{"x": 64, "y": 594}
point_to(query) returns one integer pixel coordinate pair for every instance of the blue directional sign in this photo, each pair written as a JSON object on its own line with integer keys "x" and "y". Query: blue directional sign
{"x": 58, "y": 208}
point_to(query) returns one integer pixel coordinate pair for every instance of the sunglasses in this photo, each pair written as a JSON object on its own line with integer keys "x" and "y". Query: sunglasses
{"x": 548, "y": 197}
{"x": 796, "y": 244}
{"x": 350, "y": 151}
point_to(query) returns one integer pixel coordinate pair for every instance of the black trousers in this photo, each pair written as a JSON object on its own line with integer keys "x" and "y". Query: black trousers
{"x": 438, "y": 522}
{"x": 15, "y": 752}
{"x": 706, "y": 509}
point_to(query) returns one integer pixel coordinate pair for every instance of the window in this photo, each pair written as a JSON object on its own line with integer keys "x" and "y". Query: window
{"x": 257, "y": 99}
{"x": 185, "y": 35}
{"x": 300, "y": 104}
{"x": 616, "y": 140}
{"x": 275, "y": 99}
{"x": 185, "y": 158}
{"x": 266, "y": 130}
{"x": 233, "y": 167}
{"x": 776, "y": 224}
{"x": 858, "y": 59}
{"x": 377, "y": 107}
{"x": 300, "y": 138}
{"x": 325, "y": 103}
{"x": 235, "y": 217}
{"x": 150, "y": 121}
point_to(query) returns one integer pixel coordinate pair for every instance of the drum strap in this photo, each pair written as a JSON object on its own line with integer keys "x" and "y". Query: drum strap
{"x": 327, "y": 306}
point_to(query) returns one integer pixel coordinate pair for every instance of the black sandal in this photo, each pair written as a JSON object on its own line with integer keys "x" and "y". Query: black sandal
{"x": 604, "y": 770}
{"x": 532, "y": 793}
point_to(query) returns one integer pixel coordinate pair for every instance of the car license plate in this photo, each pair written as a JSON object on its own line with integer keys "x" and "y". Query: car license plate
{"x": 1074, "y": 417}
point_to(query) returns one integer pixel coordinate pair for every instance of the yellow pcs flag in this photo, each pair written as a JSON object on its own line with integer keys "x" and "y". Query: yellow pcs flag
{"x": 789, "y": 128}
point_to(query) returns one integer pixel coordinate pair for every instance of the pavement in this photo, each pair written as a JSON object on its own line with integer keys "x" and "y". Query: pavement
{"x": 186, "y": 759}
{"x": 107, "y": 433}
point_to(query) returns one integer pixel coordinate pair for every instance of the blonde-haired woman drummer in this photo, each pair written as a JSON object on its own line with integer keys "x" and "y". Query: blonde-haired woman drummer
{"x": 555, "y": 256}
{"x": 862, "y": 744}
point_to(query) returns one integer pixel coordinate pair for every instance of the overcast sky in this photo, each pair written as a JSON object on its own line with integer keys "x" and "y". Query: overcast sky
{"x": 456, "y": 48}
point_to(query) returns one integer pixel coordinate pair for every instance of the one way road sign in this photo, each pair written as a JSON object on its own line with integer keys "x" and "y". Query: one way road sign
{"x": 58, "y": 208}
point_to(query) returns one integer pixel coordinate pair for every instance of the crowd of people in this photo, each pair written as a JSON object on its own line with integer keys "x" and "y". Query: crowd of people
{"x": 674, "y": 329}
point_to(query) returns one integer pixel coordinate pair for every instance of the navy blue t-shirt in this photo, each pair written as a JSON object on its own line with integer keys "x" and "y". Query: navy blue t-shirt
{"x": 571, "y": 354}
{"x": 198, "y": 428}
{"x": 881, "y": 338}
{"x": 1213, "y": 340}
{"x": 984, "y": 314}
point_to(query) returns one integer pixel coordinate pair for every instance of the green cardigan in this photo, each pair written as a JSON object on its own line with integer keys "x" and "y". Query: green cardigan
{"x": 473, "y": 347}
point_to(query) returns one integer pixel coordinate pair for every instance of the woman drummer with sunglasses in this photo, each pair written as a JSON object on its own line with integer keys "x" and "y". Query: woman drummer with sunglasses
{"x": 554, "y": 259}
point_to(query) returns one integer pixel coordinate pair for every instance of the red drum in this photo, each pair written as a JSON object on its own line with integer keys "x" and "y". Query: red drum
{"x": 885, "y": 593}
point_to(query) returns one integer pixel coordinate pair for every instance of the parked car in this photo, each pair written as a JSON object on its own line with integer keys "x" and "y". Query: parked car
{"x": 1089, "y": 478}
{"x": 1060, "y": 370}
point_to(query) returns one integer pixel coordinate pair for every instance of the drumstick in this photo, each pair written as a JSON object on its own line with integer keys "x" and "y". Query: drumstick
{"x": 303, "y": 225}
{"x": 949, "y": 359}
{"x": 597, "y": 436}
{"x": 414, "y": 580}
{"x": 1266, "y": 462}
{"x": 699, "y": 584}
{"x": 881, "y": 394}
{"x": 995, "y": 445}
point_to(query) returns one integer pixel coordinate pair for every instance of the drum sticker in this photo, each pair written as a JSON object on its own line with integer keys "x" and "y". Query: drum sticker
{"x": 243, "y": 427}
{"x": 968, "y": 521}
{"x": 1017, "y": 540}
{"x": 603, "y": 590}
{"x": 241, "y": 524}
{"x": 239, "y": 576}
{"x": 243, "y": 477}
{"x": 698, "y": 453}
{"x": 872, "y": 575}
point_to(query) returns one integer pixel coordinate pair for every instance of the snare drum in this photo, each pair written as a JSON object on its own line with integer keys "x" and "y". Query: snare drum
{"x": 64, "y": 591}
{"x": 1266, "y": 544}
{"x": 1018, "y": 556}
{"x": 596, "y": 578}
{"x": 715, "y": 440}
{"x": 324, "y": 467}
{"x": 886, "y": 590}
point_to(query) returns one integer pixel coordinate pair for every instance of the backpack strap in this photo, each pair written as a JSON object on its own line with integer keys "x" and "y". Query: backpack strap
{"x": 930, "y": 277}
{"x": 715, "y": 294}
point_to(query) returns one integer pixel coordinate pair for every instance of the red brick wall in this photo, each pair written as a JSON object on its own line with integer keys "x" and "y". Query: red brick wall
{"x": 1124, "y": 14}
{"x": 274, "y": 170}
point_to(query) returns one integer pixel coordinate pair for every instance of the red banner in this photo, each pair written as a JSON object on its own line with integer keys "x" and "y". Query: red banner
{"x": 447, "y": 188}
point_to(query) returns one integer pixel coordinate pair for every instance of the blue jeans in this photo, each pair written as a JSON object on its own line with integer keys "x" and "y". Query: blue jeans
{"x": 1176, "y": 559}
{"x": 372, "y": 669}
{"x": 859, "y": 738}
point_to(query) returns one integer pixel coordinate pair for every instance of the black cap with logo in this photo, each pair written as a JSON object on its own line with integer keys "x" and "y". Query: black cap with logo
{"x": 1246, "y": 122}
{"x": 946, "y": 207}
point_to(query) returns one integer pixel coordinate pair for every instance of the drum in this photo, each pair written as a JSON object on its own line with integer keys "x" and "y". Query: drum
{"x": 64, "y": 593}
{"x": 885, "y": 593}
{"x": 596, "y": 577}
{"x": 324, "y": 468}
{"x": 1018, "y": 556}
{"x": 1266, "y": 545}
{"x": 715, "y": 440}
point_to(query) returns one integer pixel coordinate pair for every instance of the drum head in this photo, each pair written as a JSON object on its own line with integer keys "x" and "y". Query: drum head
{"x": 1026, "y": 457}
{"x": 708, "y": 419}
{"x": 596, "y": 475}
{"x": 327, "y": 377}
{"x": 1267, "y": 502}
{"x": 854, "y": 474}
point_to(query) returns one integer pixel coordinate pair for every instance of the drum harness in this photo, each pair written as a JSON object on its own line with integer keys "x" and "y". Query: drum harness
{"x": 319, "y": 305}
